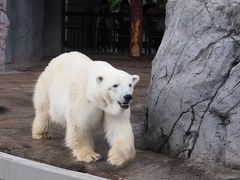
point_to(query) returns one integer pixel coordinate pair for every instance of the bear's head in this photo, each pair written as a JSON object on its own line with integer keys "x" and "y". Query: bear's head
{"x": 112, "y": 89}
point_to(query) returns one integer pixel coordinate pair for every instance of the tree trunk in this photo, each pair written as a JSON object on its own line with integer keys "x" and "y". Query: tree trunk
{"x": 136, "y": 28}
{"x": 193, "y": 102}
{"x": 4, "y": 23}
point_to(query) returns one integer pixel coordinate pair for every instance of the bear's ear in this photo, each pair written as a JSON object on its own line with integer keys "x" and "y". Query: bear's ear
{"x": 135, "y": 79}
{"x": 99, "y": 79}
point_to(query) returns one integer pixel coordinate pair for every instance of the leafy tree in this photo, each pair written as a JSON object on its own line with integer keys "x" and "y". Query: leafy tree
{"x": 114, "y": 5}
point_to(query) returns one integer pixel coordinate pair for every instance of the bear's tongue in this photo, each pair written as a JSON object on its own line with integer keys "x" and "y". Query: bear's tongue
{"x": 123, "y": 105}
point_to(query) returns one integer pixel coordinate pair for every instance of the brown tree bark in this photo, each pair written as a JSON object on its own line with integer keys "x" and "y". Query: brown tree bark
{"x": 136, "y": 28}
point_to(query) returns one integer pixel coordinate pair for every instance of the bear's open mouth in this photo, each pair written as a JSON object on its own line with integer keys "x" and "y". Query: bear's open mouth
{"x": 123, "y": 105}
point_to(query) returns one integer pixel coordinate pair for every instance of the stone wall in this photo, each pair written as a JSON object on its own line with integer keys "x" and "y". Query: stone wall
{"x": 34, "y": 33}
{"x": 24, "y": 44}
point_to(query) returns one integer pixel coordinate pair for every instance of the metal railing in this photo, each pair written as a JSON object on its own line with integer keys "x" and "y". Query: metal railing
{"x": 108, "y": 33}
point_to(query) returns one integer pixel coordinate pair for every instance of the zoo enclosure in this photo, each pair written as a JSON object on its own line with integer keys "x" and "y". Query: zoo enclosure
{"x": 108, "y": 32}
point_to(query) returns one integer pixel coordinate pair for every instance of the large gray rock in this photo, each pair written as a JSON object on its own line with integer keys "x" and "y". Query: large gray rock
{"x": 193, "y": 101}
{"x": 4, "y": 23}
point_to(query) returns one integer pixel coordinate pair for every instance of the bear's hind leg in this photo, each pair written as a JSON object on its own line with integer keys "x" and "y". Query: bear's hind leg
{"x": 41, "y": 123}
{"x": 81, "y": 144}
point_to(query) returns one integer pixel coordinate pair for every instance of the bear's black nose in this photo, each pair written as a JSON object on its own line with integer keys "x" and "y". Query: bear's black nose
{"x": 128, "y": 97}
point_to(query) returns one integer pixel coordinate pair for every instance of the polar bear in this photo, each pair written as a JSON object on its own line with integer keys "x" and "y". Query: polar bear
{"x": 81, "y": 94}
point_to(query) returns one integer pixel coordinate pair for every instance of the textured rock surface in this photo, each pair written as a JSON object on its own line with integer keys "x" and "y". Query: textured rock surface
{"x": 4, "y": 23}
{"x": 193, "y": 102}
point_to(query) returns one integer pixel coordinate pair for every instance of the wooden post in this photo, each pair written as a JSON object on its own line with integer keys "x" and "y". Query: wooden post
{"x": 136, "y": 28}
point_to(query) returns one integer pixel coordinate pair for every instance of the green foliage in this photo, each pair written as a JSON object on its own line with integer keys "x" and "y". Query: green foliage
{"x": 114, "y": 5}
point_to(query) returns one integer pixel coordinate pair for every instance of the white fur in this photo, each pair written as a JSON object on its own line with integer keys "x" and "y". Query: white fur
{"x": 80, "y": 93}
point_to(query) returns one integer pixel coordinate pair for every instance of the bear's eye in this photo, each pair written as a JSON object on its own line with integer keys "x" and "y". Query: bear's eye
{"x": 115, "y": 85}
{"x": 130, "y": 85}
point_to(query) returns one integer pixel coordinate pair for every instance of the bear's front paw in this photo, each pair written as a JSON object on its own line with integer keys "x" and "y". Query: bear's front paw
{"x": 119, "y": 158}
{"x": 86, "y": 155}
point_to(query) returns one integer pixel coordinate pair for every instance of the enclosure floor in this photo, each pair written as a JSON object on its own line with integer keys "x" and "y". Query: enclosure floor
{"x": 16, "y": 116}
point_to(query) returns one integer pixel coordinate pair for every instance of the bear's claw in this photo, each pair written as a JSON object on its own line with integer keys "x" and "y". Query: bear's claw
{"x": 86, "y": 156}
{"x": 116, "y": 161}
{"x": 117, "y": 158}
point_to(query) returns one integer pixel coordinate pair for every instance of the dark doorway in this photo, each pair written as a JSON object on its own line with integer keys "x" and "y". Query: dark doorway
{"x": 98, "y": 28}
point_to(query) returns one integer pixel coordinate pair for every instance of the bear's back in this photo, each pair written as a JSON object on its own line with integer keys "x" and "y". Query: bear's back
{"x": 70, "y": 60}
{"x": 68, "y": 66}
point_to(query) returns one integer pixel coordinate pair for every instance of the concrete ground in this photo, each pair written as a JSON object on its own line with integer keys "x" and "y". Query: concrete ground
{"x": 16, "y": 116}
